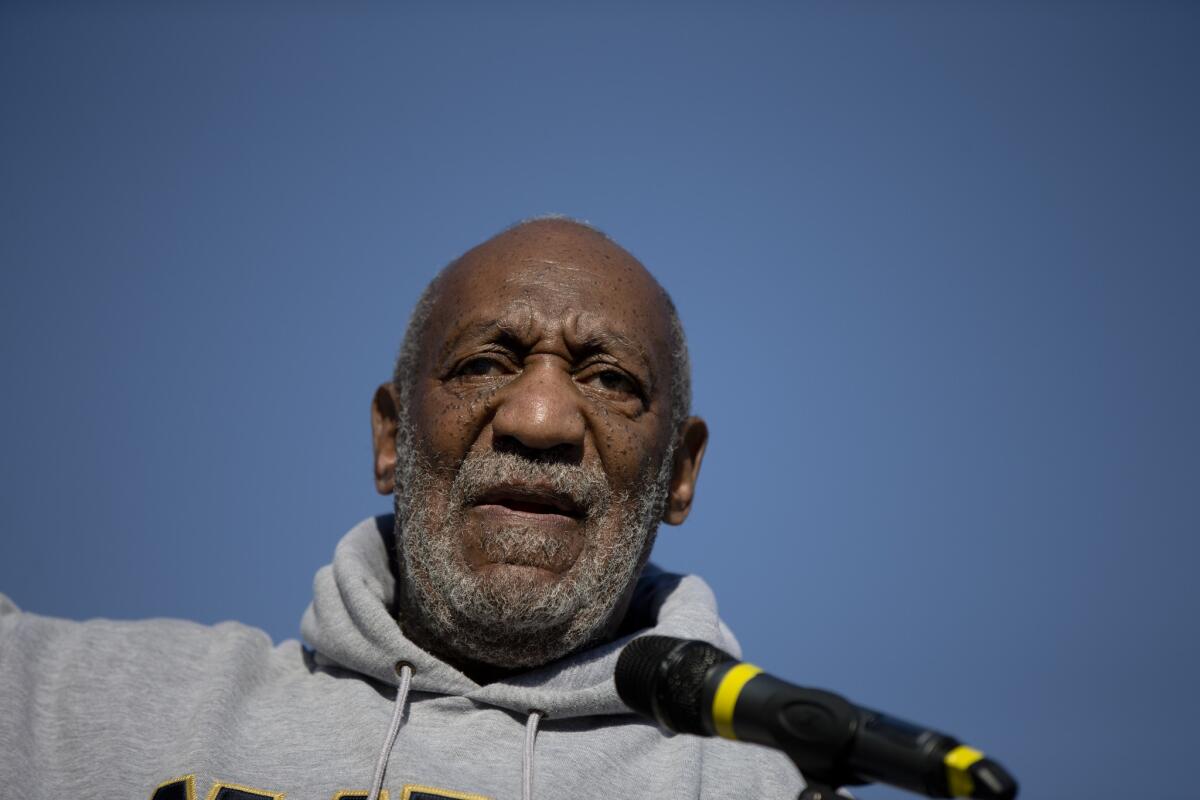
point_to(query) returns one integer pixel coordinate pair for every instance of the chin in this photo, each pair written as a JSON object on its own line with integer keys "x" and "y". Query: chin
{"x": 520, "y": 577}
{"x": 522, "y": 616}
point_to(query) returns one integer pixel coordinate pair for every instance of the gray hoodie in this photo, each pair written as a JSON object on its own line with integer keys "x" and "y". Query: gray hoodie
{"x": 168, "y": 709}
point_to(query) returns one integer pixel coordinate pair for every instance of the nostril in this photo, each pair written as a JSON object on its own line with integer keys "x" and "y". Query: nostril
{"x": 555, "y": 454}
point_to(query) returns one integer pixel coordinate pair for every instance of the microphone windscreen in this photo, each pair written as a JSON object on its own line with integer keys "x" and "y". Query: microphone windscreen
{"x": 637, "y": 667}
{"x": 663, "y": 678}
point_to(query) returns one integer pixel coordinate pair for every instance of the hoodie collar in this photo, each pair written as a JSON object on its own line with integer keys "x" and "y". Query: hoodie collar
{"x": 350, "y": 625}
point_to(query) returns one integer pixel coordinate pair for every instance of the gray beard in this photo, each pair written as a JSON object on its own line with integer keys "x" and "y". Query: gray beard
{"x": 504, "y": 619}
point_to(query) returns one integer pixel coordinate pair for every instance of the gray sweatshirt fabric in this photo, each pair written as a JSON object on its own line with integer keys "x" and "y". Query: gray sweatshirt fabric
{"x": 172, "y": 710}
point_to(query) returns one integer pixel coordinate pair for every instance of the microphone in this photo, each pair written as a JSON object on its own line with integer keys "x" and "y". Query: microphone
{"x": 690, "y": 686}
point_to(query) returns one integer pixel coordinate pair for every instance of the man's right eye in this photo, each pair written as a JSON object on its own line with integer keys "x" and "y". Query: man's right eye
{"x": 481, "y": 366}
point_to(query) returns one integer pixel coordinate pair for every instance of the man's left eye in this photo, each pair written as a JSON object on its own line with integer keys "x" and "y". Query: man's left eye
{"x": 612, "y": 381}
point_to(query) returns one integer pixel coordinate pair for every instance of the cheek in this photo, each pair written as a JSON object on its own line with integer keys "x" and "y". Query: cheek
{"x": 627, "y": 447}
{"x": 449, "y": 423}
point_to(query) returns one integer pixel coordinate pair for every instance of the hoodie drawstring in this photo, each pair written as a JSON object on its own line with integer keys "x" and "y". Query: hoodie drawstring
{"x": 531, "y": 726}
{"x": 405, "y": 670}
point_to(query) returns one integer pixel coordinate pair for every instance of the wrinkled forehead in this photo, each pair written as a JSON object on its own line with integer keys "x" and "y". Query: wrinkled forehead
{"x": 553, "y": 279}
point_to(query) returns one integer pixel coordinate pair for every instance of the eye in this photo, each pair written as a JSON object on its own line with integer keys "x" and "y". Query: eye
{"x": 613, "y": 381}
{"x": 481, "y": 367}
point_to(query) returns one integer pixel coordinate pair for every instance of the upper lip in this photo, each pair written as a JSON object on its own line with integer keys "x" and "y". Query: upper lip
{"x": 529, "y": 493}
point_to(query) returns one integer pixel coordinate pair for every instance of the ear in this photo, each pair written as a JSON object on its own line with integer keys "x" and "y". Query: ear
{"x": 693, "y": 438}
{"x": 385, "y": 420}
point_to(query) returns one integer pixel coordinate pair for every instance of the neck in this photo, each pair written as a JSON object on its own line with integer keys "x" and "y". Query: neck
{"x": 482, "y": 672}
{"x": 479, "y": 671}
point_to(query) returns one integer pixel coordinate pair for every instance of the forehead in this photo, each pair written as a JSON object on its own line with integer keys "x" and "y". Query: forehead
{"x": 549, "y": 276}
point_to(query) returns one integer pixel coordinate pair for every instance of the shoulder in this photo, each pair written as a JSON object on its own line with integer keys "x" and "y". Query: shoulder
{"x": 40, "y": 649}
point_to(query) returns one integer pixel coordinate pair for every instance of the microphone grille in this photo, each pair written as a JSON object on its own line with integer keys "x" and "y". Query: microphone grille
{"x": 663, "y": 678}
{"x": 637, "y": 668}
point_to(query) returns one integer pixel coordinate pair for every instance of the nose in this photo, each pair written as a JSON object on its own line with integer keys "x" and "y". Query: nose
{"x": 541, "y": 410}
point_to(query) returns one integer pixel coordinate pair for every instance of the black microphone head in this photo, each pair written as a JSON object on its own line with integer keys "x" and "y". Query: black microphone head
{"x": 637, "y": 667}
{"x": 663, "y": 678}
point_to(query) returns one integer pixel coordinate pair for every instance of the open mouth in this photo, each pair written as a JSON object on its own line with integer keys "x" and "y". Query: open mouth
{"x": 534, "y": 500}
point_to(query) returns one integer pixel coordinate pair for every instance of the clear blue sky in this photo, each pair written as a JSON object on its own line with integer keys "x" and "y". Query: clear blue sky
{"x": 937, "y": 263}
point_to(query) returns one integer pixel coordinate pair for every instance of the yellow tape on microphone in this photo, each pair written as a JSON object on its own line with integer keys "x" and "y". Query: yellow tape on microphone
{"x": 726, "y": 697}
{"x": 958, "y": 761}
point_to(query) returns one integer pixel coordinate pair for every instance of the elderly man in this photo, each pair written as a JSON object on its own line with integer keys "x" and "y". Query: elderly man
{"x": 534, "y": 434}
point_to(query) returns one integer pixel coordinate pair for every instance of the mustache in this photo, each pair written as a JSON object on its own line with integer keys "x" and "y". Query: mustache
{"x": 586, "y": 487}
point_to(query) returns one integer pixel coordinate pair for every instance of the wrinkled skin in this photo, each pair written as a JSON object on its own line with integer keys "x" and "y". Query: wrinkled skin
{"x": 546, "y": 354}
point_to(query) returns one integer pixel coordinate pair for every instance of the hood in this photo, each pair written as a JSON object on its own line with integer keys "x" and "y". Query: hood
{"x": 350, "y": 625}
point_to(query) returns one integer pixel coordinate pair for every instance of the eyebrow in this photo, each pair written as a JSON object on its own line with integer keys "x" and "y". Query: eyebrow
{"x": 608, "y": 341}
{"x": 590, "y": 339}
{"x": 491, "y": 329}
